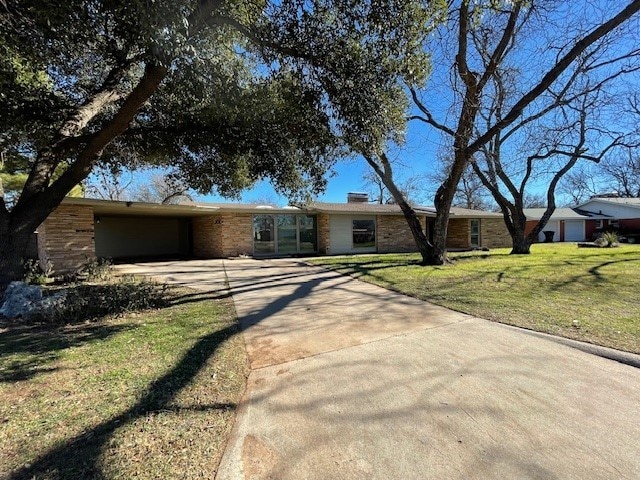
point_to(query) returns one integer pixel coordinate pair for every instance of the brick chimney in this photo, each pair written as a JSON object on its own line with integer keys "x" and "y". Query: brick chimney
{"x": 357, "y": 197}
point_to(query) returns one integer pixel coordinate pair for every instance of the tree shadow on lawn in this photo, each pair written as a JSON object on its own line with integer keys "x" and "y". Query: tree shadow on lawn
{"x": 36, "y": 345}
{"x": 596, "y": 273}
{"x": 42, "y": 345}
{"x": 79, "y": 457}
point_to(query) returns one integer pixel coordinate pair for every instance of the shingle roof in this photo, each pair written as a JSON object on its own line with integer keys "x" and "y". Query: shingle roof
{"x": 468, "y": 212}
{"x": 377, "y": 209}
{"x": 561, "y": 214}
{"x": 632, "y": 202}
{"x": 362, "y": 207}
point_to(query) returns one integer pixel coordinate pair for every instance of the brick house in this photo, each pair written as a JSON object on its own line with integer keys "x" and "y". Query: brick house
{"x": 81, "y": 229}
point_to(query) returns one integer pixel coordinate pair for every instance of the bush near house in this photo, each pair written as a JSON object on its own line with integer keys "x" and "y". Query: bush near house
{"x": 584, "y": 294}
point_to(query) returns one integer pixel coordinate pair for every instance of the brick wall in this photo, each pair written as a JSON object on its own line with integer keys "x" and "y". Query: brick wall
{"x": 458, "y": 233}
{"x": 394, "y": 234}
{"x": 223, "y": 235}
{"x": 632, "y": 224}
{"x": 66, "y": 238}
{"x": 323, "y": 233}
{"x": 494, "y": 233}
{"x": 207, "y": 238}
{"x": 237, "y": 234}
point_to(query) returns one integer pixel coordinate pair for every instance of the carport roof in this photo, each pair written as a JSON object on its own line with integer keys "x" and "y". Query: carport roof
{"x": 113, "y": 207}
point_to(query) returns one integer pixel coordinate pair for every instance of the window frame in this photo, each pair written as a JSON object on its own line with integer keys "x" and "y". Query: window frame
{"x": 477, "y": 234}
{"x": 370, "y": 233}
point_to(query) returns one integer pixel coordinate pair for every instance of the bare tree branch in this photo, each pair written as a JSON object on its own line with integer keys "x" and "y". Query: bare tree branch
{"x": 548, "y": 79}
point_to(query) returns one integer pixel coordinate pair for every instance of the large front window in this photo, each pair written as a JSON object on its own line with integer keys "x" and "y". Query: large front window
{"x": 284, "y": 234}
{"x": 364, "y": 233}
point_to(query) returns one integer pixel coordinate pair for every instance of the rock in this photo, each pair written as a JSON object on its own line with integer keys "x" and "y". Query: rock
{"x": 20, "y": 299}
{"x": 601, "y": 242}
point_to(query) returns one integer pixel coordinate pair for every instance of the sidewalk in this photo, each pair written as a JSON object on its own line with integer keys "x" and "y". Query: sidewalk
{"x": 351, "y": 381}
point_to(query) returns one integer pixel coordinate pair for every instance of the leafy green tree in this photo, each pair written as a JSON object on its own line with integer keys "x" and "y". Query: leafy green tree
{"x": 224, "y": 92}
{"x": 14, "y": 172}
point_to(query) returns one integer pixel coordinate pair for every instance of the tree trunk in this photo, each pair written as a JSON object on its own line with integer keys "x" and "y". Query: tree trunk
{"x": 385, "y": 174}
{"x": 37, "y": 201}
{"x": 442, "y": 202}
{"x": 13, "y": 247}
{"x": 521, "y": 244}
{"x": 422, "y": 242}
{"x": 438, "y": 254}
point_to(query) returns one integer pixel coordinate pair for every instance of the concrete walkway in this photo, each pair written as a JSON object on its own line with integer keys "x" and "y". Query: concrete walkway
{"x": 351, "y": 381}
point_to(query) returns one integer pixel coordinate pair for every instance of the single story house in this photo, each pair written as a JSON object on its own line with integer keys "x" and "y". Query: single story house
{"x": 567, "y": 224}
{"x": 619, "y": 214}
{"x": 81, "y": 229}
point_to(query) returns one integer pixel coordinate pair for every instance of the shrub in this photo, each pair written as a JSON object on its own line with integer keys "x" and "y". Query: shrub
{"x": 34, "y": 274}
{"x": 90, "y": 302}
{"x": 96, "y": 269}
{"x": 607, "y": 239}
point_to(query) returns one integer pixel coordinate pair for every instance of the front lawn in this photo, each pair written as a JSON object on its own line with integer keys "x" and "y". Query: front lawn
{"x": 145, "y": 395}
{"x": 585, "y": 294}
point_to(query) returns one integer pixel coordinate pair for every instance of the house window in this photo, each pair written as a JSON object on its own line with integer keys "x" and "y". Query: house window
{"x": 599, "y": 224}
{"x": 475, "y": 232}
{"x": 364, "y": 233}
{"x": 284, "y": 234}
{"x": 614, "y": 223}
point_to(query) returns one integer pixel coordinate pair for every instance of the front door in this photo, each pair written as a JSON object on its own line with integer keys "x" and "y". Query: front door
{"x": 287, "y": 234}
{"x": 264, "y": 235}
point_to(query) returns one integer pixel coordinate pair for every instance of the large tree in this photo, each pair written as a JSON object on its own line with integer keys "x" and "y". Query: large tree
{"x": 542, "y": 39}
{"x": 226, "y": 92}
{"x": 578, "y": 119}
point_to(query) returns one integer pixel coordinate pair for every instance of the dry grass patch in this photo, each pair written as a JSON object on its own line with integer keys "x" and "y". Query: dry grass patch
{"x": 144, "y": 395}
{"x": 589, "y": 295}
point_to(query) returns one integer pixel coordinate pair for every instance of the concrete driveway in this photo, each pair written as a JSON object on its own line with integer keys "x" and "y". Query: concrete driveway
{"x": 351, "y": 381}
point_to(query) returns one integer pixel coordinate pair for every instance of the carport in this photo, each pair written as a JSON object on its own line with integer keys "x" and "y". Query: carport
{"x": 134, "y": 230}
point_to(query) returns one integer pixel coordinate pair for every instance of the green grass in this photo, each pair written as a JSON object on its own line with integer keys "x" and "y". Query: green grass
{"x": 145, "y": 395}
{"x": 585, "y": 294}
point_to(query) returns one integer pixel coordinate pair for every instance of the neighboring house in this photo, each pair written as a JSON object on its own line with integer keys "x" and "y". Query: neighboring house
{"x": 587, "y": 220}
{"x": 81, "y": 229}
{"x": 567, "y": 224}
{"x": 619, "y": 214}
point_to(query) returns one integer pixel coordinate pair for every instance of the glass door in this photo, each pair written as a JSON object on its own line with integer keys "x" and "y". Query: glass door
{"x": 284, "y": 234}
{"x": 287, "y": 234}
{"x": 263, "y": 235}
{"x": 308, "y": 233}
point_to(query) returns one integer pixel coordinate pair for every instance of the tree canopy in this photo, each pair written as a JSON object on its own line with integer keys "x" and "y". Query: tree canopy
{"x": 226, "y": 92}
